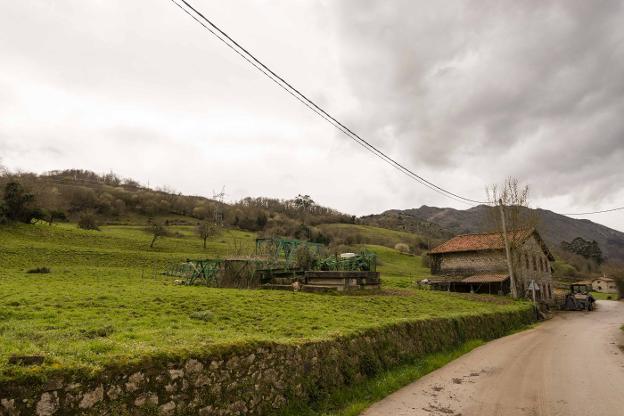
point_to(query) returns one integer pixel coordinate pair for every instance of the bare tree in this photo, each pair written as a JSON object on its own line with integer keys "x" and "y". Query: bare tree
{"x": 508, "y": 215}
{"x": 205, "y": 231}
{"x": 157, "y": 230}
{"x": 514, "y": 199}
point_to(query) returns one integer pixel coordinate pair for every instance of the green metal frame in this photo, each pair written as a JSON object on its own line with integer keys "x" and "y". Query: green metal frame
{"x": 283, "y": 249}
{"x": 198, "y": 271}
{"x": 363, "y": 261}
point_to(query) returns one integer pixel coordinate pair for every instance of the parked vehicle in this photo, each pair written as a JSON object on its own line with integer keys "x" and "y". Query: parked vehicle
{"x": 579, "y": 298}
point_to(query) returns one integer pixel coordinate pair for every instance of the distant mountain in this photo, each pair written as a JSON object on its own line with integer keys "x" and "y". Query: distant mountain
{"x": 440, "y": 223}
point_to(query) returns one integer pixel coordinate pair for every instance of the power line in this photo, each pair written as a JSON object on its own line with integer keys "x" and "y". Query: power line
{"x": 594, "y": 212}
{"x": 310, "y": 104}
{"x": 256, "y": 63}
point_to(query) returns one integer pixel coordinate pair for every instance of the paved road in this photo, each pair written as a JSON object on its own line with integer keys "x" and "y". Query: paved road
{"x": 568, "y": 366}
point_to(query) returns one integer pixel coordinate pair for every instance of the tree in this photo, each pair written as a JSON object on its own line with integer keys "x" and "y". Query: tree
{"x": 206, "y": 230}
{"x": 588, "y": 249}
{"x": 17, "y": 203}
{"x": 510, "y": 211}
{"x": 515, "y": 202}
{"x": 303, "y": 203}
{"x": 157, "y": 230}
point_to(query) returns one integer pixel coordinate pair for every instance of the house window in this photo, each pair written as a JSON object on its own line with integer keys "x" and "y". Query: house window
{"x": 534, "y": 263}
{"x": 526, "y": 259}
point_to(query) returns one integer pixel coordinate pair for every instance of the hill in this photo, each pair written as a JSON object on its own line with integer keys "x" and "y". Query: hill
{"x": 554, "y": 228}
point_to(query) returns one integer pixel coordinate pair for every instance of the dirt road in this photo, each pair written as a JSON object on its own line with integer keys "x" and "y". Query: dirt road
{"x": 571, "y": 365}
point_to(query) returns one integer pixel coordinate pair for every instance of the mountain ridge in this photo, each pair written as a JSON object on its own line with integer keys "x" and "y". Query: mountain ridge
{"x": 554, "y": 228}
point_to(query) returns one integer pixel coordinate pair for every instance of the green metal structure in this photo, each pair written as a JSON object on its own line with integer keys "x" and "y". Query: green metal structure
{"x": 283, "y": 249}
{"x": 276, "y": 261}
{"x": 362, "y": 261}
{"x": 197, "y": 272}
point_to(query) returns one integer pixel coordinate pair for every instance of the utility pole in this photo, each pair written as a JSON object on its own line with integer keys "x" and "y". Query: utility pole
{"x": 512, "y": 280}
{"x": 218, "y": 214}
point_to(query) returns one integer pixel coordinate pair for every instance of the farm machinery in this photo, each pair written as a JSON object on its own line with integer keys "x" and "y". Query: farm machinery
{"x": 579, "y": 298}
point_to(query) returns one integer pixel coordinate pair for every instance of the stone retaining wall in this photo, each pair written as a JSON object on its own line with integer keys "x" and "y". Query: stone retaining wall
{"x": 253, "y": 379}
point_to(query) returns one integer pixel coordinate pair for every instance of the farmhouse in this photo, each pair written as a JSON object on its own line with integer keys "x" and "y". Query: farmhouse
{"x": 604, "y": 285}
{"x": 478, "y": 263}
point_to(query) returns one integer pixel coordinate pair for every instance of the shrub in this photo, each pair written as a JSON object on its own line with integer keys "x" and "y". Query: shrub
{"x": 304, "y": 257}
{"x": 202, "y": 316}
{"x": 402, "y": 247}
{"x": 88, "y": 222}
{"x": 98, "y": 332}
{"x": 39, "y": 270}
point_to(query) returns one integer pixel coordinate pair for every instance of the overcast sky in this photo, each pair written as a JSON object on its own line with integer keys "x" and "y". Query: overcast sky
{"x": 464, "y": 93}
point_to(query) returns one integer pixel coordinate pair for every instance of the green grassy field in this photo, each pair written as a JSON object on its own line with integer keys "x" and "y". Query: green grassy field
{"x": 103, "y": 301}
{"x": 604, "y": 296}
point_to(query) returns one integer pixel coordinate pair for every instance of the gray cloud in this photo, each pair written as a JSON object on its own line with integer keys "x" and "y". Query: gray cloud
{"x": 525, "y": 88}
{"x": 463, "y": 92}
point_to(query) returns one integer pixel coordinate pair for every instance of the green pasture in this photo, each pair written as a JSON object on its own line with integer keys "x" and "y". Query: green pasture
{"x": 105, "y": 302}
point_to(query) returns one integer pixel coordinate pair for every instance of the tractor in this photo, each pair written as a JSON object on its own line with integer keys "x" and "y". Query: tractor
{"x": 579, "y": 298}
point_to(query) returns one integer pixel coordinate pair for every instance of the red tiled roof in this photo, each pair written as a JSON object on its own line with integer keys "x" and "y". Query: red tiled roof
{"x": 478, "y": 242}
{"x": 486, "y": 278}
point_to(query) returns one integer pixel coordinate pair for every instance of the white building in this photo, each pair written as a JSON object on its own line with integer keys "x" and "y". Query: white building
{"x": 604, "y": 285}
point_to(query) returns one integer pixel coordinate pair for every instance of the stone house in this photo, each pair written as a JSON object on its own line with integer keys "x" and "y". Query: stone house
{"x": 478, "y": 263}
{"x": 604, "y": 285}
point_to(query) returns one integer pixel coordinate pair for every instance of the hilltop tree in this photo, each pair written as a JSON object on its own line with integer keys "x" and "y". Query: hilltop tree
{"x": 303, "y": 203}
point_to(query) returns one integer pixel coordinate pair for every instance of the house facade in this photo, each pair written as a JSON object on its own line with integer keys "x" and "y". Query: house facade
{"x": 604, "y": 285}
{"x": 478, "y": 263}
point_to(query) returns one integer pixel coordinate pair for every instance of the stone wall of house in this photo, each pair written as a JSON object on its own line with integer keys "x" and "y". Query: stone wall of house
{"x": 530, "y": 263}
{"x": 254, "y": 379}
{"x": 471, "y": 263}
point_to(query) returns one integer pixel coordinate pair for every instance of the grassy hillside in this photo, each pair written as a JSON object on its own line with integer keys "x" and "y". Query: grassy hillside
{"x": 398, "y": 269}
{"x": 101, "y": 303}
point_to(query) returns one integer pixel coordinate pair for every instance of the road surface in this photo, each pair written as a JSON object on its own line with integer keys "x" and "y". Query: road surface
{"x": 568, "y": 366}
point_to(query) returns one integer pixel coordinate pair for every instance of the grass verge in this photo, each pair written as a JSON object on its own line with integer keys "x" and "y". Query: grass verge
{"x": 352, "y": 400}
{"x": 604, "y": 296}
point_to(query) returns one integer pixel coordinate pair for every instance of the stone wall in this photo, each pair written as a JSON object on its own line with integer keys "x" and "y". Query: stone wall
{"x": 254, "y": 379}
{"x": 530, "y": 263}
{"x": 472, "y": 262}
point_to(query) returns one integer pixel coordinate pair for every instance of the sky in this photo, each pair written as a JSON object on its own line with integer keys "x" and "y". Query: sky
{"x": 464, "y": 93}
